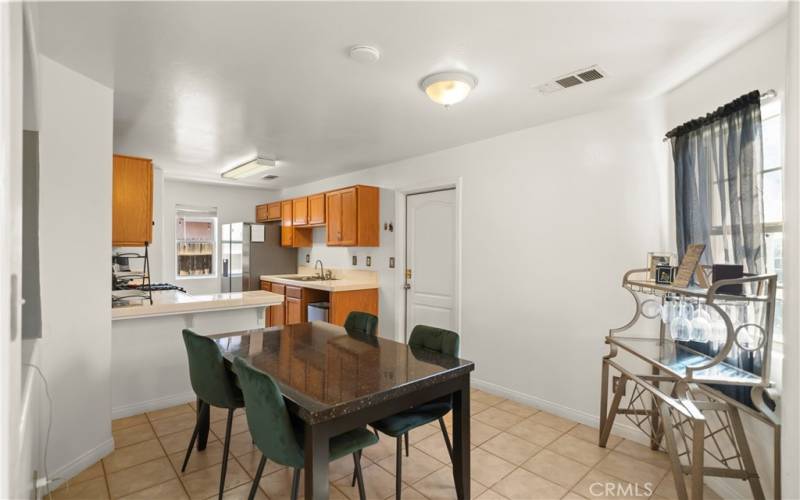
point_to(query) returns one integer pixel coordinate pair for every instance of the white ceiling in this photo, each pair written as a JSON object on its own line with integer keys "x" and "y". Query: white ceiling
{"x": 200, "y": 87}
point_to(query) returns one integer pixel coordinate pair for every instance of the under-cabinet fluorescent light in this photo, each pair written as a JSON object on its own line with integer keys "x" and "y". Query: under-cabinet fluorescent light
{"x": 250, "y": 169}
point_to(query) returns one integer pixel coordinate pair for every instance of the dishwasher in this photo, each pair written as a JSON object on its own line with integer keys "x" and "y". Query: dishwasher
{"x": 318, "y": 311}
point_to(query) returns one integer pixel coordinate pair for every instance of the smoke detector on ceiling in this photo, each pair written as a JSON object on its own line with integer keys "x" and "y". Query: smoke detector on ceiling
{"x": 365, "y": 53}
{"x": 573, "y": 79}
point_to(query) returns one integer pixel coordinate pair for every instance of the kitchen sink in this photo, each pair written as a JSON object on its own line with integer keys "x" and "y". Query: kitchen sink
{"x": 306, "y": 278}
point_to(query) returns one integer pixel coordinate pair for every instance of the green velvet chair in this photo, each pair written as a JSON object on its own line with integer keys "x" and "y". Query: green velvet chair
{"x": 398, "y": 426}
{"x": 280, "y": 438}
{"x": 362, "y": 323}
{"x": 215, "y": 385}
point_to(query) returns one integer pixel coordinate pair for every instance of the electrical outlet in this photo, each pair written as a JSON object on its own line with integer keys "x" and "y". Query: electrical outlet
{"x": 355, "y": 260}
{"x": 369, "y": 261}
{"x": 391, "y": 262}
{"x": 616, "y": 386}
{"x": 308, "y": 258}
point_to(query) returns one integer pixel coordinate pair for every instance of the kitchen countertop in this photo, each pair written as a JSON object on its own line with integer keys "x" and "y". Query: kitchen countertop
{"x": 344, "y": 284}
{"x": 173, "y": 302}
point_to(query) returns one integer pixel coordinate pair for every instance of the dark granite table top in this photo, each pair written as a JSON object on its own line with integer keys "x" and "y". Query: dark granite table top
{"x": 328, "y": 373}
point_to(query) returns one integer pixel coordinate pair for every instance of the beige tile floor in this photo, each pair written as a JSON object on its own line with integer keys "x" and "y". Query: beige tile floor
{"x": 518, "y": 452}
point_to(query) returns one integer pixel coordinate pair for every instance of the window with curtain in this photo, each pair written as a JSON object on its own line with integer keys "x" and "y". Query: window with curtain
{"x": 195, "y": 242}
{"x": 772, "y": 135}
{"x": 728, "y": 195}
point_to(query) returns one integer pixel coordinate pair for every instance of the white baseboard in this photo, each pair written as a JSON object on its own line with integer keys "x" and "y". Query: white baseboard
{"x": 620, "y": 429}
{"x": 152, "y": 405}
{"x": 83, "y": 462}
{"x": 726, "y": 488}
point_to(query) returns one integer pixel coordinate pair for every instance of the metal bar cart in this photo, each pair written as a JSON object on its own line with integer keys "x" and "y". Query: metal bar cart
{"x": 678, "y": 404}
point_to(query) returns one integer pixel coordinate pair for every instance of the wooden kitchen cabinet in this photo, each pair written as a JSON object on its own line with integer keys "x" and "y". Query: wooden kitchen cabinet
{"x": 261, "y": 213}
{"x": 316, "y": 209}
{"x": 292, "y": 236}
{"x": 344, "y": 302}
{"x": 286, "y": 223}
{"x": 132, "y": 201}
{"x": 276, "y": 313}
{"x": 274, "y": 211}
{"x": 294, "y": 312}
{"x": 300, "y": 211}
{"x": 353, "y": 217}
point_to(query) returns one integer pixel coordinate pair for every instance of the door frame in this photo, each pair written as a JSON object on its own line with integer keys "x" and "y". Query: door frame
{"x": 401, "y": 195}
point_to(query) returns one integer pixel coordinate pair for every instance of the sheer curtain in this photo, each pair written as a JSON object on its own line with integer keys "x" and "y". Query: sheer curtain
{"x": 719, "y": 200}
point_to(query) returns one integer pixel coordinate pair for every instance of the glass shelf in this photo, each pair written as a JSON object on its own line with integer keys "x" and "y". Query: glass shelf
{"x": 653, "y": 288}
{"x": 674, "y": 358}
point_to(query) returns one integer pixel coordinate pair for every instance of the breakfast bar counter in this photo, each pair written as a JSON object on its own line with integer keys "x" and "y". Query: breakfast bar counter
{"x": 175, "y": 302}
{"x": 149, "y": 368}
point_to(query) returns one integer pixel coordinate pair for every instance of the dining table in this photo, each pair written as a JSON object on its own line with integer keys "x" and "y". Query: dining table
{"x": 335, "y": 381}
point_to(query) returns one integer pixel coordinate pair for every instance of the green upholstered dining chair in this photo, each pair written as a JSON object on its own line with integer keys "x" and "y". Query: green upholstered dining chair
{"x": 215, "y": 385}
{"x": 398, "y": 426}
{"x": 280, "y": 438}
{"x": 363, "y": 323}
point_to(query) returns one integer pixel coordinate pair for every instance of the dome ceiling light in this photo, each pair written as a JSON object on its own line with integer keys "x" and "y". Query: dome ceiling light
{"x": 449, "y": 87}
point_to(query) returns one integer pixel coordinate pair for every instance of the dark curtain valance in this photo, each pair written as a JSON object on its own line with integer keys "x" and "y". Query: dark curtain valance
{"x": 738, "y": 104}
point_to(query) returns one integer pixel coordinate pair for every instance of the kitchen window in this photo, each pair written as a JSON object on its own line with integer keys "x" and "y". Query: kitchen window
{"x": 195, "y": 242}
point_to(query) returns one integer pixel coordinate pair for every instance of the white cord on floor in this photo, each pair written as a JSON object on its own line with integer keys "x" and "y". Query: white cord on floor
{"x": 49, "y": 426}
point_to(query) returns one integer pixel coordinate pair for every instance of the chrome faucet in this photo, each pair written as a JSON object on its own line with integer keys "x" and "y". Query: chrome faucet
{"x": 321, "y": 269}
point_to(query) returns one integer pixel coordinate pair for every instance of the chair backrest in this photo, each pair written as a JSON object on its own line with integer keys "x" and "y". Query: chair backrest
{"x": 361, "y": 323}
{"x": 435, "y": 339}
{"x": 269, "y": 421}
{"x": 211, "y": 380}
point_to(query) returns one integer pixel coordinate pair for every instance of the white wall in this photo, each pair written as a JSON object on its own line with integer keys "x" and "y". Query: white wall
{"x": 552, "y": 216}
{"x": 75, "y": 233}
{"x": 791, "y": 375}
{"x": 760, "y": 64}
{"x": 234, "y": 204}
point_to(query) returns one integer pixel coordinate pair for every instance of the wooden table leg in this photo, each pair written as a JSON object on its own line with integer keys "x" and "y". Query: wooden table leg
{"x": 316, "y": 462}
{"x": 204, "y": 419}
{"x": 461, "y": 447}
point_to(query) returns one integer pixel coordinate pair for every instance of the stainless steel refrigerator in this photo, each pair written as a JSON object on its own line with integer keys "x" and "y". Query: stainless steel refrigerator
{"x": 250, "y": 250}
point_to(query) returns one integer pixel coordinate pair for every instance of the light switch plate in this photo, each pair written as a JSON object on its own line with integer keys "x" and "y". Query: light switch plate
{"x": 308, "y": 258}
{"x": 369, "y": 261}
{"x": 355, "y": 260}
{"x": 391, "y": 262}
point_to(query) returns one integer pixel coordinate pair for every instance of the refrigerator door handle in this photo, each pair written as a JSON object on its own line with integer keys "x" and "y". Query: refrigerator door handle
{"x": 224, "y": 268}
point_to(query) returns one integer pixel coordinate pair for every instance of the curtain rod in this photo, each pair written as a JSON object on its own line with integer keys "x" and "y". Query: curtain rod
{"x": 769, "y": 94}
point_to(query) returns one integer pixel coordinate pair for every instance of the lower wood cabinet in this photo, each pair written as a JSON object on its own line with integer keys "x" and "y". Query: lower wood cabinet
{"x": 296, "y": 300}
{"x": 277, "y": 313}
{"x": 294, "y": 313}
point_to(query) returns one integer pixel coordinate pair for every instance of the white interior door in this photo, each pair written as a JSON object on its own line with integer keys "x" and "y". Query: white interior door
{"x": 431, "y": 260}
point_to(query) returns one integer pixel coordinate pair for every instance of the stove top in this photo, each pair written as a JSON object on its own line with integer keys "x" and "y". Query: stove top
{"x": 157, "y": 287}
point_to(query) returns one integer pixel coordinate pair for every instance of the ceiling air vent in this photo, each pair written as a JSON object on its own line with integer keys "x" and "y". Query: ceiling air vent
{"x": 270, "y": 177}
{"x": 572, "y": 79}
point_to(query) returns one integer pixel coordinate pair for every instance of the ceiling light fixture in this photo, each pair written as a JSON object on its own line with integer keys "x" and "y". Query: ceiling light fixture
{"x": 250, "y": 169}
{"x": 448, "y": 88}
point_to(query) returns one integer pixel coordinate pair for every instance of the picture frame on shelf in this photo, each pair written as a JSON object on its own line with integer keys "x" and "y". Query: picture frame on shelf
{"x": 655, "y": 259}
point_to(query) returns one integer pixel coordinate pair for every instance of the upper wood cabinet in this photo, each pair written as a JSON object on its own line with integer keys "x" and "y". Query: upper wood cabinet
{"x": 316, "y": 209}
{"x": 353, "y": 217}
{"x": 274, "y": 211}
{"x": 286, "y": 223}
{"x": 292, "y": 236}
{"x": 261, "y": 213}
{"x": 132, "y": 205}
{"x": 300, "y": 211}
{"x": 268, "y": 212}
